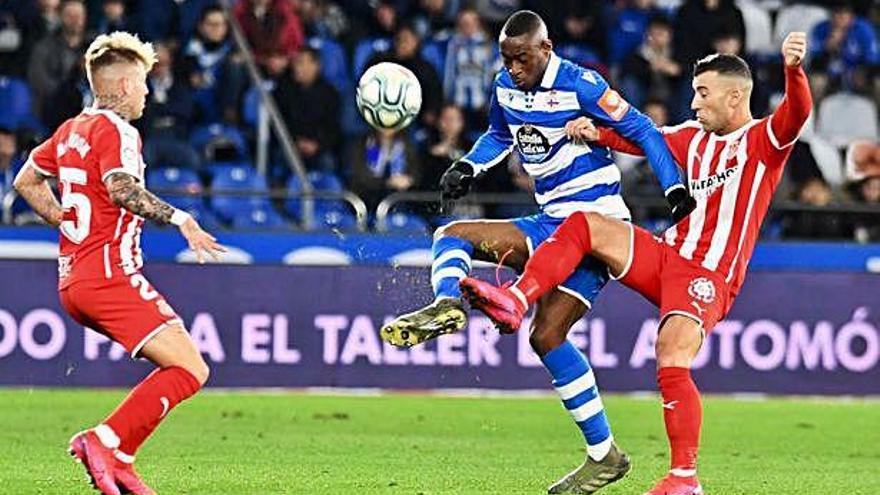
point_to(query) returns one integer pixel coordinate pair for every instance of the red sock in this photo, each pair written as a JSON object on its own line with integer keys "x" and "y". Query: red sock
{"x": 554, "y": 261}
{"x": 148, "y": 403}
{"x": 683, "y": 414}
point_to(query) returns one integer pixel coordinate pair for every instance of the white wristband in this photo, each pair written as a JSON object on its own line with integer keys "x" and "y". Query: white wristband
{"x": 179, "y": 217}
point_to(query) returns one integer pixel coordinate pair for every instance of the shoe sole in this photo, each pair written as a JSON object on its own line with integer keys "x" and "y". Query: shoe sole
{"x": 480, "y": 302}
{"x": 407, "y": 334}
{"x": 79, "y": 451}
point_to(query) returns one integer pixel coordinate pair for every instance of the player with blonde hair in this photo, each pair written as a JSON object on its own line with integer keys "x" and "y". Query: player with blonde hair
{"x": 96, "y": 158}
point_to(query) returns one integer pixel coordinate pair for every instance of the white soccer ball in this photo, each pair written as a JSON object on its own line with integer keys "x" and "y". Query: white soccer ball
{"x": 389, "y": 96}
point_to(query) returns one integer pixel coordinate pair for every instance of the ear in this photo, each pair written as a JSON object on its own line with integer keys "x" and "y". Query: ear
{"x": 547, "y": 46}
{"x": 736, "y": 97}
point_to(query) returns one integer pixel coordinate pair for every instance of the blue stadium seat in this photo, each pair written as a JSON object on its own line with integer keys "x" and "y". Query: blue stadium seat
{"x": 177, "y": 180}
{"x": 236, "y": 179}
{"x": 334, "y": 63}
{"x": 364, "y": 50}
{"x": 206, "y": 139}
{"x": 407, "y": 223}
{"x": 335, "y": 218}
{"x": 15, "y": 105}
{"x": 321, "y": 181}
{"x": 259, "y": 218}
{"x": 250, "y": 104}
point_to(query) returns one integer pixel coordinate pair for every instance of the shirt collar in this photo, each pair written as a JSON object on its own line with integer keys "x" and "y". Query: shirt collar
{"x": 551, "y": 71}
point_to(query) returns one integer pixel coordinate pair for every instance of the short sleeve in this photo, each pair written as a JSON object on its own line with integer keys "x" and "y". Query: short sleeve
{"x": 118, "y": 148}
{"x": 44, "y": 159}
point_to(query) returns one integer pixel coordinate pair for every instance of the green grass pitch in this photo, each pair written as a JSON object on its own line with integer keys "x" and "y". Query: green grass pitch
{"x": 291, "y": 443}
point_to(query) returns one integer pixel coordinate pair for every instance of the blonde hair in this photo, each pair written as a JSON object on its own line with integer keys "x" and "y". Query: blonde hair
{"x": 116, "y": 47}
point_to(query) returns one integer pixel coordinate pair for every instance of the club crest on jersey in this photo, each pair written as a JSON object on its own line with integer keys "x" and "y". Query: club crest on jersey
{"x": 702, "y": 289}
{"x": 533, "y": 146}
{"x": 64, "y": 266}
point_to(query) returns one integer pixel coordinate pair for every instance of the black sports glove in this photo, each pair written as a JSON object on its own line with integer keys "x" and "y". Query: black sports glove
{"x": 681, "y": 202}
{"x": 456, "y": 181}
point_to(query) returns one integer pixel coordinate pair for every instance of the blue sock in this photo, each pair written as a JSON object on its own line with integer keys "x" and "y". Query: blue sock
{"x": 452, "y": 262}
{"x": 576, "y": 385}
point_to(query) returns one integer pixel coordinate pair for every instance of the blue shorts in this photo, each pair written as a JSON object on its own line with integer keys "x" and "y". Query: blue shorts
{"x": 591, "y": 275}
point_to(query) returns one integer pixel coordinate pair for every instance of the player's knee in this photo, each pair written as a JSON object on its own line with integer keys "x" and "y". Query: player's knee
{"x": 545, "y": 338}
{"x": 452, "y": 229}
{"x": 200, "y": 371}
{"x": 677, "y": 345}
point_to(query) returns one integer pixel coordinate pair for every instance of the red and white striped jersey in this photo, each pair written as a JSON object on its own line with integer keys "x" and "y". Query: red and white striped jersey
{"x": 98, "y": 238}
{"x": 733, "y": 178}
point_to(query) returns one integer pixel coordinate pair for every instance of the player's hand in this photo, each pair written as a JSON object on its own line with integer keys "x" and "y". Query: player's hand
{"x": 201, "y": 242}
{"x": 581, "y": 129}
{"x": 681, "y": 202}
{"x": 794, "y": 48}
{"x": 457, "y": 180}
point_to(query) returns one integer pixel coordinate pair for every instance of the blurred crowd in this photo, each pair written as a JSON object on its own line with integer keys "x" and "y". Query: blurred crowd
{"x": 200, "y": 124}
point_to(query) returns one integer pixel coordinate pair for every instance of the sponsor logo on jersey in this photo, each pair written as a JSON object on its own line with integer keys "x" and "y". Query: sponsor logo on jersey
{"x": 613, "y": 104}
{"x": 533, "y": 146}
{"x": 701, "y": 188}
{"x": 702, "y": 289}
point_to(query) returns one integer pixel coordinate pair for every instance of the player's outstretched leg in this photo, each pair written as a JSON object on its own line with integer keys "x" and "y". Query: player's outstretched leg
{"x": 452, "y": 262}
{"x": 576, "y": 384}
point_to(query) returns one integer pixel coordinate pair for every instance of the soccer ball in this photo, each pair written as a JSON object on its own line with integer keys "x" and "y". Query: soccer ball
{"x": 389, "y": 96}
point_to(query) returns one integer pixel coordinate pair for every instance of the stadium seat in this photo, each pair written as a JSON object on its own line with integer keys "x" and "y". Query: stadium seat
{"x": 321, "y": 181}
{"x": 334, "y": 63}
{"x": 828, "y": 159}
{"x": 336, "y": 218}
{"x": 238, "y": 179}
{"x": 15, "y": 105}
{"x": 364, "y": 50}
{"x": 407, "y": 223}
{"x": 797, "y": 17}
{"x": 176, "y": 180}
{"x": 250, "y": 103}
{"x": 259, "y": 218}
{"x": 843, "y": 117}
{"x": 434, "y": 53}
{"x": 218, "y": 142}
{"x": 759, "y": 28}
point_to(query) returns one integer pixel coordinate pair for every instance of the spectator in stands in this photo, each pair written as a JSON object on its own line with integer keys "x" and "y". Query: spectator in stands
{"x": 383, "y": 162}
{"x": 405, "y": 52}
{"x": 446, "y": 144}
{"x": 53, "y": 57}
{"x": 629, "y": 29}
{"x": 214, "y": 72}
{"x": 72, "y": 95}
{"x": 651, "y": 72}
{"x": 863, "y": 172}
{"x": 320, "y": 19}
{"x": 272, "y": 29}
{"x": 471, "y": 63}
{"x": 698, "y": 21}
{"x": 434, "y": 16}
{"x": 583, "y": 36}
{"x": 20, "y": 28}
{"x": 114, "y": 17}
{"x": 810, "y": 188}
{"x": 310, "y": 108}
{"x": 844, "y": 51}
{"x": 10, "y": 158}
{"x": 169, "y": 111}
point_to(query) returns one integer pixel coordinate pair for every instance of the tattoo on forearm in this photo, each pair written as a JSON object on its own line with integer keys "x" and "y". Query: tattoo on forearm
{"x": 127, "y": 193}
{"x": 40, "y": 197}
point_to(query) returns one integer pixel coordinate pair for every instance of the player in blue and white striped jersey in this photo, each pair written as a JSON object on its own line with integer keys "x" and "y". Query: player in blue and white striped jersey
{"x": 534, "y": 102}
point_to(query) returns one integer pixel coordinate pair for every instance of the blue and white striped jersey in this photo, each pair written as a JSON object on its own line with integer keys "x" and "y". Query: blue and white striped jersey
{"x": 568, "y": 176}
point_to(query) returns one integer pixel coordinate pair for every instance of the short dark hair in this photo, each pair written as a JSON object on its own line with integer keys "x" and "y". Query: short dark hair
{"x": 210, "y": 9}
{"x": 725, "y": 64}
{"x": 522, "y": 22}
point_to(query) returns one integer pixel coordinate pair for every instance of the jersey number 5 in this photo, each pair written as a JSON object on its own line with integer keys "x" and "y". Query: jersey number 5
{"x": 76, "y": 230}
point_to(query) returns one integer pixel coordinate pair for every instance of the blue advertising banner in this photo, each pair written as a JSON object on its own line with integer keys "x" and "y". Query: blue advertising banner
{"x": 283, "y": 326}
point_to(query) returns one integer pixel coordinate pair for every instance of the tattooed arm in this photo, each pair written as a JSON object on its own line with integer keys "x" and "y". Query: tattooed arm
{"x": 127, "y": 193}
{"x": 35, "y": 189}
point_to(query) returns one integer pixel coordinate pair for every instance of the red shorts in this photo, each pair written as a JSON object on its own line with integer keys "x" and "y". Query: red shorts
{"x": 125, "y": 308}
{"x": 674, "y": 284}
